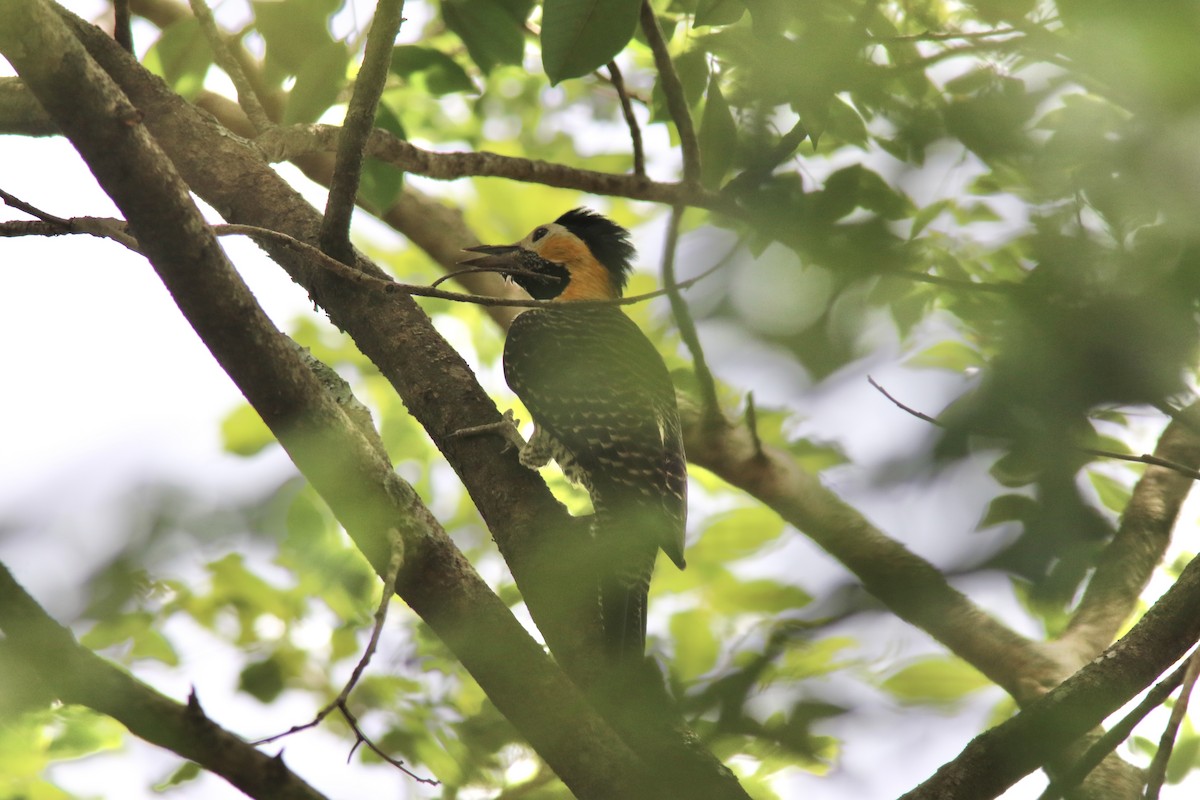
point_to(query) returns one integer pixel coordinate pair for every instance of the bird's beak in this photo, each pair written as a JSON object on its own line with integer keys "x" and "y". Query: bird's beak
{"x": 499, "y": 257}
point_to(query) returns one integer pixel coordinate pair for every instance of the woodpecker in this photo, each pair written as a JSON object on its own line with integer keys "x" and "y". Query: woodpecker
{"x": 602, "y": 402}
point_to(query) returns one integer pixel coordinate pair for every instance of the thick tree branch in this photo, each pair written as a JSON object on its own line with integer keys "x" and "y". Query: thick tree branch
{"x": 20, "y": 112}
{"x": 1128, "y": 561}
{"x": 908, "y": 585}
{"x": 995, "y": 760}
{"x": 75, "y": 674}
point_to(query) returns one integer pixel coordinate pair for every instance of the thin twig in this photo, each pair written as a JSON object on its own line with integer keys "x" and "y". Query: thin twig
{"x": 673, "y": 90}
{"x": 285, "y": 144}
{"x": 362, "y": 738}
{"x": 1145, "y": 458}
{"x": 247, "y": 98}
{"x": 635, "y": 132}
{"x": 47, "y": 224}
{"x": 710, "y": 409}
{"x": 1157, "y": 771}
{"x": 1116, "y": 734}
{"x": 31, "y": 210}
{"x": 1001, "y": 287}
{"x": 932, "y": 36}
{"x": 389, "y": 286}
{"x": 360, "y": 119}
{"x": 918, "y": 414}
{"x": 122, "y": 29}
{"x": 341, "y": 702}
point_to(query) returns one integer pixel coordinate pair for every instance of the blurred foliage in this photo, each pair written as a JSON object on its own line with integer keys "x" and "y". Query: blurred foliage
{"x": 1056, "y": 257}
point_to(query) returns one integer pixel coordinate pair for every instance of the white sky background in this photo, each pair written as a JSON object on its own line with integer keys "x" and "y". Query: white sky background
{"x": 108, "y": 388}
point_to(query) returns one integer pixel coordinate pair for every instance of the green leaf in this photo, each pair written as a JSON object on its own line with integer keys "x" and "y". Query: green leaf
{"x": 188, "y": 771}
{"x": 950, "y": 355}
{"x": 492, "y": 30}
{"x": 181, "y": 56}
{"x": 1008, "y": 508}
{"x": 937, "y": 680}
{"x": 318, "y": 83}
{"x": 759, "y": 596}
{"x": 717, "y": 136}
{"x": 441, "y": 73}
{"x": 927, "y": 215}
{"x": 262, "y": 680}
{"x": 696, "y": 646}
{"x": 737, "y": 534}
{"x": 244, "y": 433}
{"x": 293, "y": 31}
{"x": 579, "y": 36}
{"x": 719, "y": 12}
{"x": 381, "y": 182}
{"x": 1113, "y": 494}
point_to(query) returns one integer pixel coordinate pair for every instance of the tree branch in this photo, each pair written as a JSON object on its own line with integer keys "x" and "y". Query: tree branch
{"x": 227, "y": 61}
{"x": 360, "y": 120}
{"x": 1157, "y": 771}
{"x": 1112, "y": 738}
{"x": 77, "y": 675}
{"x": 997, "y": 759}
{"x": 668, "y": 79}
{"x": 909, "y": 586}
{"x": 710, "y": 405}
{"x": 1128, "y": 561}
{"x": 635, "y": 132}
{"x": 283, "y": 144}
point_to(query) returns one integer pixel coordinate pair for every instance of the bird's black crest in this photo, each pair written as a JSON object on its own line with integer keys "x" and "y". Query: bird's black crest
{"x": 607, "y": 240}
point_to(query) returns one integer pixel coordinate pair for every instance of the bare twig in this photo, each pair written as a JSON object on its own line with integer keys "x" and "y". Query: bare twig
{"x": 389, "y": 286}
{"x": 1145, "y": 458}
{"x": 31, "y": 210}
{"x": 635, "y": 132}
{"x": 288, "y": 143}
{"x": 943, "y": 36}
{"x": 362, "y": 738}
{"x": 360, "y": 119}
{"x": 122, "y": 18}
{"x": 919, "y": 415}
{"x": 1116, "y": 734}
{"x": 711, "y": 408}
{"x": 47, "y": 224}
{"x": 1001, "y": 287}
{"x": 673, "y": 91}
{"x": 247, "y": 98}
{"x": 1156, "y": 773}
{"x": 341, "y": 702}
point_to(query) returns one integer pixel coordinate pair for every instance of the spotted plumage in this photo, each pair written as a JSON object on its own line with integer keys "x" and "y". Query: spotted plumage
{"x": 603, "y": 405}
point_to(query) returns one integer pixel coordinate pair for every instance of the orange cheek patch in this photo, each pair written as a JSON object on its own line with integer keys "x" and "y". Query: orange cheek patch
{"x": 589, "y": 278}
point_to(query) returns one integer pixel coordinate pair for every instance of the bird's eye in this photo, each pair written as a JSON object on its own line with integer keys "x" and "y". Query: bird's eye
{"x": 539, "y": 233}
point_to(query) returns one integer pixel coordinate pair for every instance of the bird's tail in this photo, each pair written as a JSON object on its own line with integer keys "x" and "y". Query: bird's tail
{"x": 623, "y": 610}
